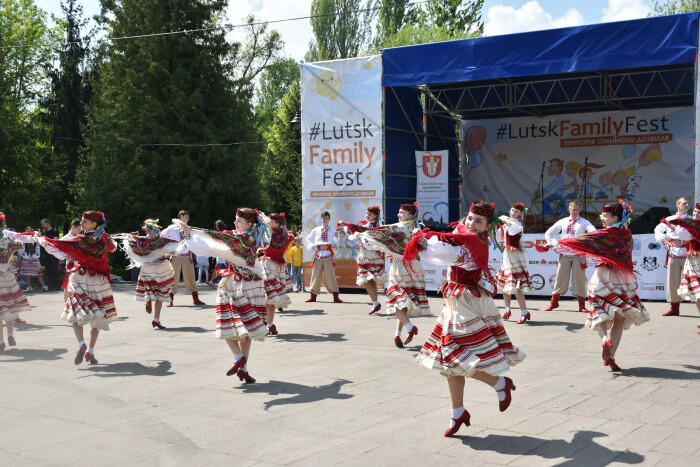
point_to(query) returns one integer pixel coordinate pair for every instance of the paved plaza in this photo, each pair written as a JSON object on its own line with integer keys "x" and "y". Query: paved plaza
{"x": 333, "y": 389}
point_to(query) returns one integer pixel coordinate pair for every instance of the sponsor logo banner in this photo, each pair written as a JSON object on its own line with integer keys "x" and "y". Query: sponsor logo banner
{"x": 431, "y": 189}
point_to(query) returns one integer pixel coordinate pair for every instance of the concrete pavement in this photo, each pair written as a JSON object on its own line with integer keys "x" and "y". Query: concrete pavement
{"x": 333, "y": 389}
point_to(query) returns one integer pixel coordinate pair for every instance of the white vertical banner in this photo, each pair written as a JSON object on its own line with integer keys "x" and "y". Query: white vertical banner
{"x": 432, "y": 187}
{"x": 341, "y": 114}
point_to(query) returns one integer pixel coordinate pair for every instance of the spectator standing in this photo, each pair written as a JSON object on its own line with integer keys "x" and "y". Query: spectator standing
{"x": 50, "y": 262}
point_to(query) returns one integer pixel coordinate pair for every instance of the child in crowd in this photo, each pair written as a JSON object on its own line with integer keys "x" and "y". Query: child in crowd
{"x": 296, "y": 254}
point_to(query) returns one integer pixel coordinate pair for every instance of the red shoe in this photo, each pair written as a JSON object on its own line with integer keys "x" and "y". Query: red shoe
{"x": 20, "y": 320}
{"x": 611, "y": 363}
{"x": 80, "y": 354}
{"x": 462, "y": 420}
{"x": 503, "y": 405}
{"x": 554, "y": 303}
{"x": 312, "y": 298}
{"x": 90, "y": 358}
{"x": 236, "y": 366}
{"x": 336, "y": 298}
{"x": 243, "y": 375}
{"x": 11, "y": 341}
{"x": 196, "y": 300}
{"x": 148, "y": 307}
{"x": 411, "y": 333}
{"x": 672, "y": 311}
{"x": 378, "y": 307}
{"x": 607, "y": 345}
{"x": 272, "y": 329}
{"x": 172, "y": 300}
{"x": 523, "y": 319}
{"x": 156, "y": 324}
{"x": 397, "y": 342}
{"x": 582, "y": 305}
{"x": 506, "y": 315}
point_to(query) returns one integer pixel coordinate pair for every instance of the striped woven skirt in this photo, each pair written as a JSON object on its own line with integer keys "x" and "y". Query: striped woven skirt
{"x": 277, "y": 282}
{"x": 690, "y": 284}
{"x": 468, "y": 337}
{"x": 155, "y": 282}
{"x": 240, "y": 309}
{"x": 12, "y": 299}
{"x": 29, "y": 267}
{"x": 406, "y": 289}
{"x": 513, "y": 275}
{"x": 611, "y": 292}
{"x": 370, "y": 267}
{"x": 89, "y": 300}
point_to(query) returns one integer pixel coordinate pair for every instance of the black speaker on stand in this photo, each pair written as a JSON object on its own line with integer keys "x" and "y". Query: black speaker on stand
{"x": 645, "y": 223}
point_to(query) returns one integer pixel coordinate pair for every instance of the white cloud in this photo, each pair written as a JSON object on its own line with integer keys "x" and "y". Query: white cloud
{"x": 295, "y": 34}
{"x": 529, "y": 17}
{"x": 621, "y": 10}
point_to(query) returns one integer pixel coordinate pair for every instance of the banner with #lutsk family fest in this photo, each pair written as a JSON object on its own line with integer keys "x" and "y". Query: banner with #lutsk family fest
{"x": 341, "y": 114}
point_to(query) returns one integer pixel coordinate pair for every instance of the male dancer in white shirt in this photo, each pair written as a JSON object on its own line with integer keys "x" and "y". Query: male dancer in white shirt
{"x": 182, "y": 262}
{"x": 571, "y": 226}
{"x": 321, "y": 241}
{"x": 676, "y": 251}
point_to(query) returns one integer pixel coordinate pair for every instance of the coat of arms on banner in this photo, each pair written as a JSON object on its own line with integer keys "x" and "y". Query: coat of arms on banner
{"x": 432, "y": 165}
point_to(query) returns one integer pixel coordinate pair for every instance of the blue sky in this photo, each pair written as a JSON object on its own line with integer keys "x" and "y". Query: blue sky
{"x": 500, "y": 16}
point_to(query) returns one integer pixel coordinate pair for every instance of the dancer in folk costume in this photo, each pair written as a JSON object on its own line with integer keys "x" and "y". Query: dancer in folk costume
{"x": 90, "y": 298}
{"x": 611, "y": 291}
{"x": 371, "y": 269}
{"x": 689, "y": 230}
{"x": 31, "y": 264}
{"x": 182, "y": 262}
{"x": 241, "y": 297}
{"x": 321, "y": 240}
{"x": 151, "y": 254}
{"x": 513, "y": 277}
{"x": 676, "y": 252}
{"x": 405, "y": 293}
{"x": 275, "y": 274}
{"x": 469, "y": 340}
{"x": 570, "y": 266}
{"x": 12, "y": 299}
{"x": 67, "y": 261}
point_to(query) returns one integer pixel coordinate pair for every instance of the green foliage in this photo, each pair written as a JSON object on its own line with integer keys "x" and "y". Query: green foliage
{"x": 343, "y": 32}
{"x": 672, "y": 7}
{"x": 457, "y": 16}
{"x": 274, "y": 83}
{"x": 156, "y": 93}
{"x": 414, "y": 35}
{"x": 280, "y": 166}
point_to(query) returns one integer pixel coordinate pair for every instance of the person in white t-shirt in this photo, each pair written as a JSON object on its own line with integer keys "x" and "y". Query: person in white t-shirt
{"x": 569, "y": 264}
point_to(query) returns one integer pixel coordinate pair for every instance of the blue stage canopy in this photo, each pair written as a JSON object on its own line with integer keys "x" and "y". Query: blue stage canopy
{"x": 649, "y": 42}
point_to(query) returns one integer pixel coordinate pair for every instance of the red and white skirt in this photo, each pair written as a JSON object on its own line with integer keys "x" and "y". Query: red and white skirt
{"x": 370, "y": 267}
{"x": 89, "y": 300}
{"x": 29, "y": 267}
{"x": 611, "y": 292}
{"x": 690, "y": 284}
{"x": 468, "y": 337}
{"x": 277, "y": 282}
{"x": 12, "y": 299}
{"x": 240, "y": 309}
{"x": 155, "y": 282}
{"x": 513, "y": 275}
{"x": 406, "y": 289}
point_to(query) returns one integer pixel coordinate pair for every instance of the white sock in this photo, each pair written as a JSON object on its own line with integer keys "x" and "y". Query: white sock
{"x": 409, "y": 327}
{"x": 507, "y": 309}
{"x": 456, "y": 413}
{"x": 398, "y": 333}
{"x": 156, "y": 320}
{"x": 499, "y": 387}
{"x": 91, "y": 350}
{"x": 81, "y": 343}
{"x": 524, "y": 313}
{"x": 245, "y": 368}
{"x": 237, "y": 356}
{"x": 375, "y": 303}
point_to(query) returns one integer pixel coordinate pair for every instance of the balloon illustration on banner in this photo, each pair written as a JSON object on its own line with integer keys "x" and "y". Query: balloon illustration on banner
{"x": 652, "y": 153}
{"x": 629, "y": 150}
{"x": 473, "y": 141}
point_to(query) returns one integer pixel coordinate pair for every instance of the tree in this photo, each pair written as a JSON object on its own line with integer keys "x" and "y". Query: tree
{"x": 280, "y": 169}
{"x": 342, "y": 28}
{"x": 672, "y": 7}
{"x": 393, "y": 17}
{"x": 24, "y": 180}
{"x": 171, "y": 117}
{"x": 274, "y": 83}
{"x": 457, "y": 16}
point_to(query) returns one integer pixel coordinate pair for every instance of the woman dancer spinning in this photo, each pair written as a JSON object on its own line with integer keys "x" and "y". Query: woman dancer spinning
{"x": 513, "y": 277}
{"x": 90, "y": 298}
{"x": 611, "y": 291}
{"x": 277, "y": 280}
{"x": 469, "y": 339}
{"x": 405, "y": 294}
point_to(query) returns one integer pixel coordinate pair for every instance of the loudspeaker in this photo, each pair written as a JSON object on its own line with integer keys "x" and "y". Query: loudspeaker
{"x": 645, "y": 223}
